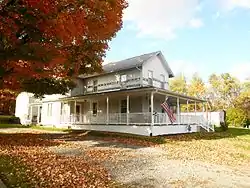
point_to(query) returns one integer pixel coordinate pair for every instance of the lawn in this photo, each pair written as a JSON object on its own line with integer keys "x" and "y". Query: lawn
{"x": 35, "y": 127}
{"x": 227, "y": 148}
{"x": 25, "y": 160}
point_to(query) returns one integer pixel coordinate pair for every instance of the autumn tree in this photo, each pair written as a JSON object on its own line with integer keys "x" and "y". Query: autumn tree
{"x": 224, "y": 89}
{"x": 49, "y": 42}
{"x": 179, "y": 84}
{"x": 197, "y": 88}
{"x": 7, "y": 102}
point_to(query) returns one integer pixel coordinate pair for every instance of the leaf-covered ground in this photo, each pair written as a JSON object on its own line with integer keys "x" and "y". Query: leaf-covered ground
{"x": 41, "y": 159}
{"x": 25, "y": 162}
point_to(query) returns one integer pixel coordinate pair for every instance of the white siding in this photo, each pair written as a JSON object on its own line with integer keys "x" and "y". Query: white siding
{"x": 156, "y": 65}
{"x": 140, "y": 130}
{"x": 22, "y": 106}
{"x": 54, "y": 118}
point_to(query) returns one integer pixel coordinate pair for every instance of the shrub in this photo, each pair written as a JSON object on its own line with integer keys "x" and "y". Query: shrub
{"x": 9, "y": 120}
{"x": 224, "y": 126}
{"x": 236, "y": 117}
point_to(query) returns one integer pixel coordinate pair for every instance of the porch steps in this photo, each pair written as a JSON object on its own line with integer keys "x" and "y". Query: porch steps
{"x": 207, "y": 127}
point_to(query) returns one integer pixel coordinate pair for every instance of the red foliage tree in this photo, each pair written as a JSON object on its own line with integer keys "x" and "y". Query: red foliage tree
{"x": 48, "y": 39}
{"x": 7, "y": 102}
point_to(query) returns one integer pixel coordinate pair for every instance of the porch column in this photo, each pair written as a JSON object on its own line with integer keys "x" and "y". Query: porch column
{"x": 75, "y": 108}
{"x": 203, "y": 110}
{"x": 38, "y": 115}
{"x": 31, "y": 113}
{"x": 152, "y": 110}
{"x": 187, "y": 106}
{"x": 127, "y": 109}
{"x": 75, "y": 118}
{"x": 178, "y": 110}
{"x": 107, "y": 102}
{"x": 195, "y": 108}
{"x": 206, "y": 112}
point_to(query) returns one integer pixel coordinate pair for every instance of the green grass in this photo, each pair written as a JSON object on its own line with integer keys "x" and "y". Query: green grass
{"x": 14, "y": 173}
{"x": 36, "y": 127}
{"x": 11, "y": 126}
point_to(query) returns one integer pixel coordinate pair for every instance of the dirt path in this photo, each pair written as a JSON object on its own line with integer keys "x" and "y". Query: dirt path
{"x": 149, "y": 167}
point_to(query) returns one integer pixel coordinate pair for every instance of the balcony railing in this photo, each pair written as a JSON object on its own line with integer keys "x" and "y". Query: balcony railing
{"x": 132, "y": 119}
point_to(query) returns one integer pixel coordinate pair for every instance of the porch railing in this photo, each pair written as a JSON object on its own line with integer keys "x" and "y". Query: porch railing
{"x": 132, "y": 119}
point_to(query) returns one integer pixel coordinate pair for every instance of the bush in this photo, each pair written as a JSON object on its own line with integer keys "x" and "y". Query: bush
{"x": 224, "y": 126}
{"x": 247, "y": 125}
{"x": 236, "y": 117}
{"x": 9, "y": 120}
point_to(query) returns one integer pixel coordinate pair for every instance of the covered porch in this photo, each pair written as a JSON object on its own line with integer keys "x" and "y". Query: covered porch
{"x": 136, "y": 111}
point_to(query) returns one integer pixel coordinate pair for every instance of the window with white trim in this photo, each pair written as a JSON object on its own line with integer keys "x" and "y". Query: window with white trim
{"x": 163, "y": 80}
{"x": 94, "y": 108}
{"x": 124, "y": 106}
{"x": 95, "y": 85}
{"x": 150, "y": 77}
{"x": 49, "y": 110}
{"x": 123, "y": 78}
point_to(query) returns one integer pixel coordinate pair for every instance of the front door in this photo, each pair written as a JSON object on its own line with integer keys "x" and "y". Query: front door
{"x": 78, "y": 112}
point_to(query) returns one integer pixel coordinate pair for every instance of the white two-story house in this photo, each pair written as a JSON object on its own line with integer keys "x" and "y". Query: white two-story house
{"x": 127, "y": 97}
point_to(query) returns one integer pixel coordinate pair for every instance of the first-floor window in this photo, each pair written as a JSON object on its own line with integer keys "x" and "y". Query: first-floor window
{"x": 49, "y": 110}
{"x": 94, "y": 108}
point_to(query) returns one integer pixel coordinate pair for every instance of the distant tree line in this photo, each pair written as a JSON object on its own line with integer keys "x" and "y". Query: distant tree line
{"x": 223, "y": 92}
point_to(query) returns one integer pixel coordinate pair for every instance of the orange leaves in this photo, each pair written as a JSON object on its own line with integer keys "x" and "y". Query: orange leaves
{"x": 55, "y": 38}
{"x": 48, "y": 169}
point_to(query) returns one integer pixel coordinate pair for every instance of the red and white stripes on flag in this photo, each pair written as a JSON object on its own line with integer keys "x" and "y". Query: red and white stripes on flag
{"x": 168, "y": 110}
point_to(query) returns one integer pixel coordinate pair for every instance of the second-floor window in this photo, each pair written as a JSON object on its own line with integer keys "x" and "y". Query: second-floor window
{"x": 150, "y": 77}
{"x": 163, "y": 81}
{"x": 123, "y": 78}
{"x": 95, "y": 85}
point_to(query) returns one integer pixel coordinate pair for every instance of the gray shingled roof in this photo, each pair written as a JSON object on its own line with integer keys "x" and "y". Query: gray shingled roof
{"x": 129, "y": 63}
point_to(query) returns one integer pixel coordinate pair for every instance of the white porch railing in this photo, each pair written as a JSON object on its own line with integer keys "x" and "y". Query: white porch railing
{"x": 134, "y": 119}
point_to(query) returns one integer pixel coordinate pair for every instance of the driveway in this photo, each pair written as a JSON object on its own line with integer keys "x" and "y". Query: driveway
{"x": 135, "y": 166}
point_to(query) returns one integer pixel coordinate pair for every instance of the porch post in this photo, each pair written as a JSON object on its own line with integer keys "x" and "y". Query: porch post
{"x": 178, "y": 110}
{"x": 152, "y": 111}
{"x": 38, "y": 115}
{"x": 206, "y": 112}
{"x": 127, "y": 109}
{"x": 107, "y": 101}
{"x": 31, "y": 113}
{"x": 187, "y": 106}
{"x": 195, "y": 108}
{"x": 203, "y": 109}
{"x": 75, "y": 118}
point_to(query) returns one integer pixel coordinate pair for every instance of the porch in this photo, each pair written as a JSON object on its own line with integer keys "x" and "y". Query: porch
{"x": 136, "y": 111}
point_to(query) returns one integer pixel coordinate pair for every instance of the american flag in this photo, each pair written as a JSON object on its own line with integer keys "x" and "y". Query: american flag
{"x": 168, "y": 110}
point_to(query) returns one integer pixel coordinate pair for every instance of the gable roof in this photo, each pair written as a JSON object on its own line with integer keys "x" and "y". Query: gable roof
{"x": 130, "y": 63}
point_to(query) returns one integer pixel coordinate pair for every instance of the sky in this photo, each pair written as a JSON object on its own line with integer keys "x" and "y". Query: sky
{"x": 203, "y": 36}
